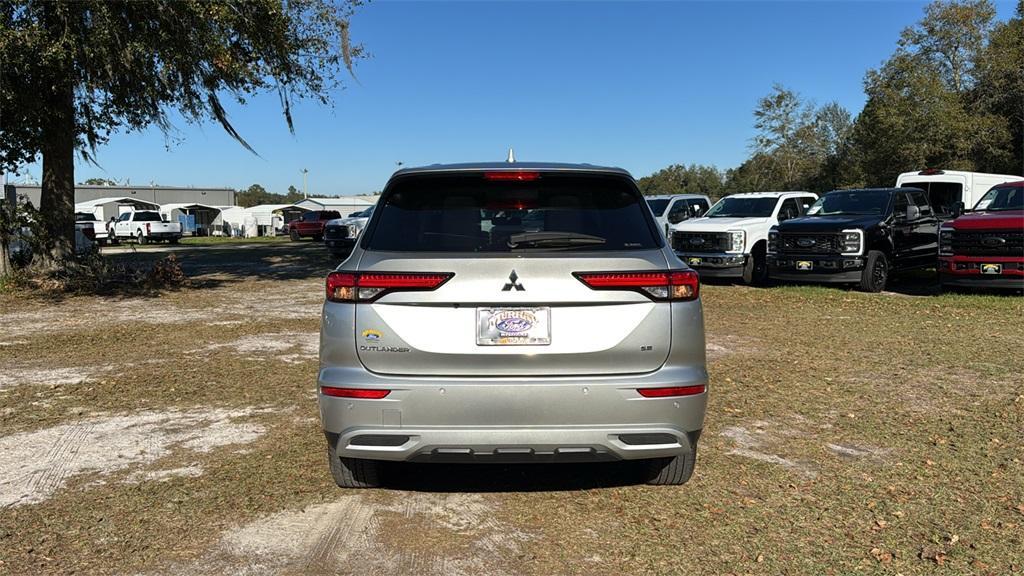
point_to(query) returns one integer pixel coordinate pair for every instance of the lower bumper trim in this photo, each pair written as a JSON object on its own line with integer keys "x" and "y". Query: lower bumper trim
{"x": 517, "y": 445}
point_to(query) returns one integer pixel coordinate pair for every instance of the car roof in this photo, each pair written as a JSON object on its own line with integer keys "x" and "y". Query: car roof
{"x": 670, "y": 196}
{"x": 890, "y": 190}
{"x": 771, "y": 194}
{"x": 511, "y": 167}
{"x": 1017, "y": 184}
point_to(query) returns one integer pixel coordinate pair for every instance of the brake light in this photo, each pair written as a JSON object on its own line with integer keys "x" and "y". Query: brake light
{"x": 366, "y": 287}
{"x": 675, "y": 285}
{"x": 147, "y": 227}
{"x": 512, "y": 176}
{"x": 354, "y": 393}
{"x": 930, "y": 172}
{"x": 511, "y": 204}
{"x": 672, "y": 391}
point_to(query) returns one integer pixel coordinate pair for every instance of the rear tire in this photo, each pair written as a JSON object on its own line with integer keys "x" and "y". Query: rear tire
{"x": 876, "y": 272}
{"x": 353, "y": 472}
{"x": 671, "y": 471}
{"x": 755, "y": 271}
{"x": 294, "y": 236}
{"x": 140, "y": 238}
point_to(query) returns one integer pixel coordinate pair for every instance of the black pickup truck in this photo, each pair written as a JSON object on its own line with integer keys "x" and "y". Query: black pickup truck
{"x": 857, "y": 237}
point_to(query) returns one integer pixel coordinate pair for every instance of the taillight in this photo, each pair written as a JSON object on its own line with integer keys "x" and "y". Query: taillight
{"x": 361, "y": 393}
{"x": 512, "y": 176}
{"x": 368, "y": 286}
{"x": 672, "y": 391}
{"x": 662, "y": 285}
{"x": 147, "y": 227}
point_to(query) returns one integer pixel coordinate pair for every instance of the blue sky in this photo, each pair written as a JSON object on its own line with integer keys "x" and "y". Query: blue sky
{"x": 636, "y": 85}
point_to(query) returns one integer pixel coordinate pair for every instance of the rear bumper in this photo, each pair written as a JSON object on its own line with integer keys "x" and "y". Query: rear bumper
{"x": 163, "y": 235}
{"x": 826, "y": 269}
{"x": 512, "y": 420}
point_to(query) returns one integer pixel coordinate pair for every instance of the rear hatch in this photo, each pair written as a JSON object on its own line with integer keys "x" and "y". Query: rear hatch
{"x": 513, "y": 305}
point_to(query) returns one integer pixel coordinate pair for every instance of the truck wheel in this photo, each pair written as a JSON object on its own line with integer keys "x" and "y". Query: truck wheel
{"x": 352, "y": 472}
{"x": 294, "y": 236}
{"x": 141, "y": 239}
{"x": 875, "y": 273}
{"x": 671, "y": 471}
{"x": 755, "y": 271}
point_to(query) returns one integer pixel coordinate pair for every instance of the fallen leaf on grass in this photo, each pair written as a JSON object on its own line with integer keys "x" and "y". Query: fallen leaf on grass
{"x": 883, "y": 556}
{"x": 933, "y": 553}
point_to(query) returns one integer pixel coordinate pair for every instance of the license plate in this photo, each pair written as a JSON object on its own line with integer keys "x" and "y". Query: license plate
{"x": 804, "y": 265}
{"x": 694, "y": 261}
{"x": 991, "y": 268}
{"x": 513, "y": 326}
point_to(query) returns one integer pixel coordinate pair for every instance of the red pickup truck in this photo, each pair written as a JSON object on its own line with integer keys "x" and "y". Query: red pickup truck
{"x": 311, "y": 225}
{"x": 985, "y": 247}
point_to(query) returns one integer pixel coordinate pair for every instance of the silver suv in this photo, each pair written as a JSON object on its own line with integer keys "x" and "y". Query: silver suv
{"x": 512, "y": 312}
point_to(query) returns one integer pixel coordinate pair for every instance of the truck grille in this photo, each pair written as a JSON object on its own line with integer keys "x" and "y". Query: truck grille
{"x": 989, "y": 243}
{"x": 336, "y": 232}
{"x": 811, "y": 243}
{"x": 700, "y": 241}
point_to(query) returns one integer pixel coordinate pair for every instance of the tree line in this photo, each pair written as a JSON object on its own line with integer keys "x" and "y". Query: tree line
{"x": 950, "y": 96}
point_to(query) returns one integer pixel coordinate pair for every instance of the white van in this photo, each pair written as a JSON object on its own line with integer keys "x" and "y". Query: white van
{"x": 947, "y": 187}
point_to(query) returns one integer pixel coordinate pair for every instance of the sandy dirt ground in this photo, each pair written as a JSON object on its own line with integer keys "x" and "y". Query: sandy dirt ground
{"x": 177, "y": 433}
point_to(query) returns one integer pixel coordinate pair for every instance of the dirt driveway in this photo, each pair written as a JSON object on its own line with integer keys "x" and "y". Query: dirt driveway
{"x": 178, "y": 434}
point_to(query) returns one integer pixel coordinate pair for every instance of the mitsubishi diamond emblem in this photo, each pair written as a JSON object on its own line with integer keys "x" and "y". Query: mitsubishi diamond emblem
{"x": 513, "y": 283}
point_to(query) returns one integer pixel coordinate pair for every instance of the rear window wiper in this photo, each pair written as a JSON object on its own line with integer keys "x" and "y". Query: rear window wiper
{"x": 553, "y": 239}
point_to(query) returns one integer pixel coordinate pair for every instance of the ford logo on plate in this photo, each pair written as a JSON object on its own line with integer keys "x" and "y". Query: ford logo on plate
{"x": 514, "y": 325}
{"x": 697, "y": 241}
{"x": 993, "y": 241}
{"x": 805, "y": 242}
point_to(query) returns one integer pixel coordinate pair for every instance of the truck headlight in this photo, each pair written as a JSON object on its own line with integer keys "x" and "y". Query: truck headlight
{"x": 946, "y": 242}
{"x": 853, "y": 241}
{"x": 773, "y": 241}
{"x": 736, "y": 241}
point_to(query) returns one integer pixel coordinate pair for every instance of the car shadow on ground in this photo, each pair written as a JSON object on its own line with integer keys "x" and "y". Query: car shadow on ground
{"x": 538, "y": 477}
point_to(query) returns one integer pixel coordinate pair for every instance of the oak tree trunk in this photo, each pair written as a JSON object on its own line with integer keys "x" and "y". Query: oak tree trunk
{"x": 57, "y": 199}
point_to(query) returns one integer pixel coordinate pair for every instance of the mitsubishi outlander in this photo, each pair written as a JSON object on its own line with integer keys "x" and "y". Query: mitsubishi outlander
{"x": 512, "y": 312}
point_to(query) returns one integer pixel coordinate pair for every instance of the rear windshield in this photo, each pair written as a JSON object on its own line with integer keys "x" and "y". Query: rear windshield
{"x": 469, "y": 213}
{"x": 146, "y": 217}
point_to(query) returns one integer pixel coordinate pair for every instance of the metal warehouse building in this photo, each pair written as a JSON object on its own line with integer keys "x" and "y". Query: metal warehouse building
{"x": 156, "y": 194}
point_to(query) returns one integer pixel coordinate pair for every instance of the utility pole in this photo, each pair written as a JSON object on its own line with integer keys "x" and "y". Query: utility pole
{"x": 304, "y": 172}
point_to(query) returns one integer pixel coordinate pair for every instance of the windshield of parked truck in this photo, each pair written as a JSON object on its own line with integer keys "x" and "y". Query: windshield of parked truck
{"x": 742, "y": 207}
{"x": 851, "y": 202}
{"x": 996, "y": 199}
{"x": 658, "y": 205}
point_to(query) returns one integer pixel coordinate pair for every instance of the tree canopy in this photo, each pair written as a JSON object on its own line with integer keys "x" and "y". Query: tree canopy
{"x": 950, "y": 96}
{"x": 77, "y": 71}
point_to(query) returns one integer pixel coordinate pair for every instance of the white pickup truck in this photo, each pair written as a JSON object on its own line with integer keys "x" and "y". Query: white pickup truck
{"x": 674, "y": 208}
{"x": 146, "y": 226}
{"x": 730, "y": 241}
